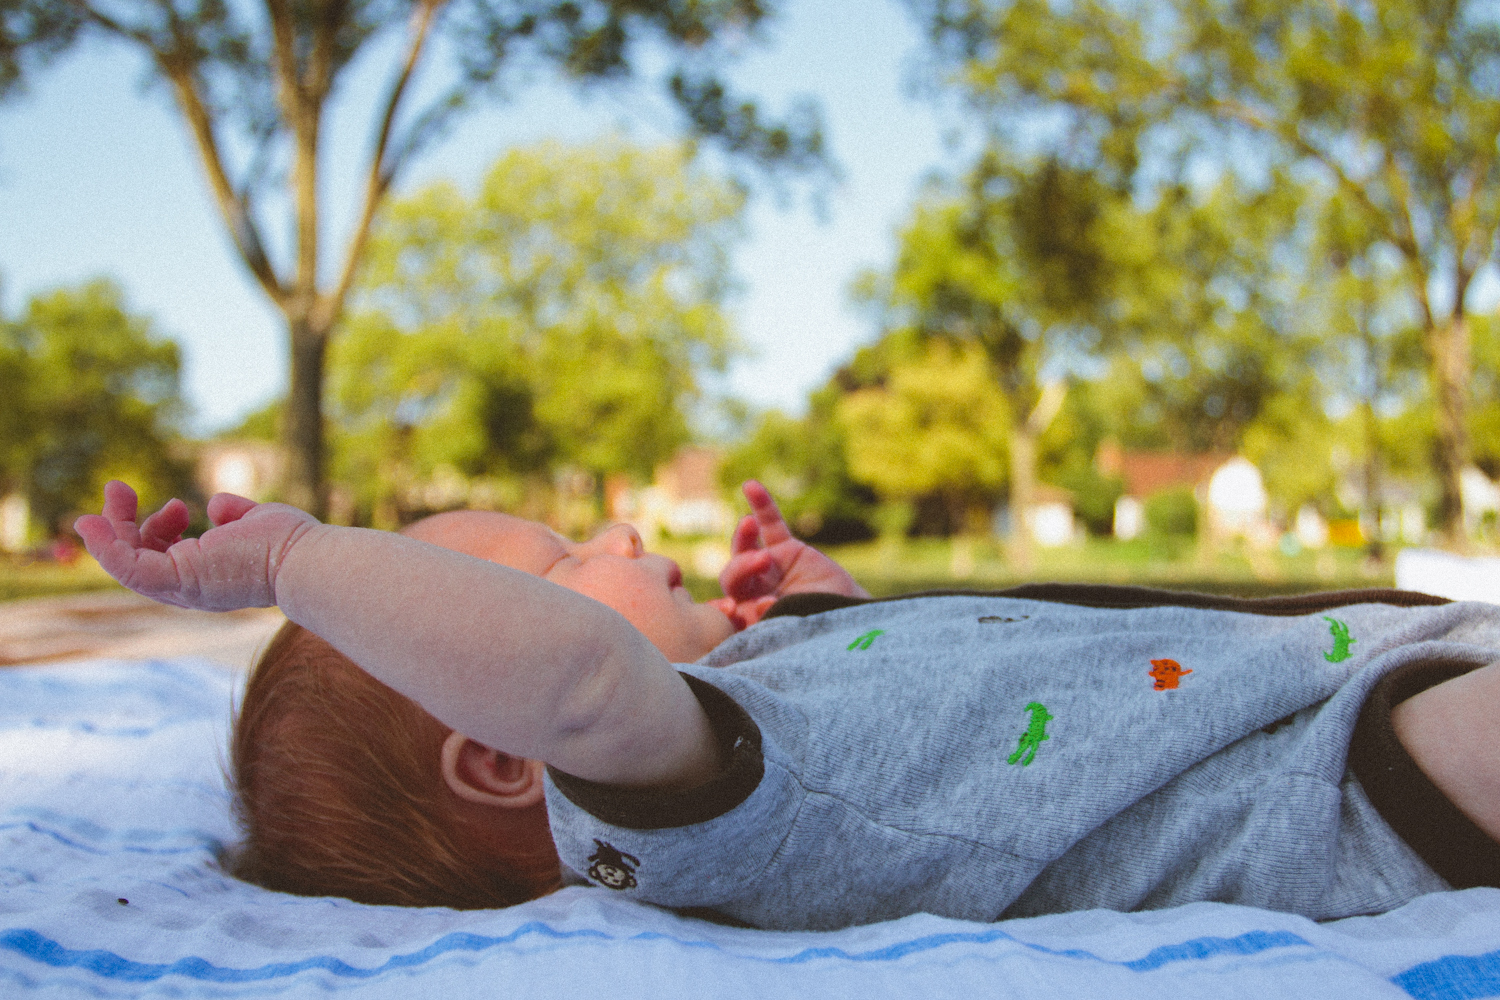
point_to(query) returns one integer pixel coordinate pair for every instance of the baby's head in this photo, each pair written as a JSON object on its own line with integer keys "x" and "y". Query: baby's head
{"x": 612, "y": 567}
{"x": 340, "y": 782}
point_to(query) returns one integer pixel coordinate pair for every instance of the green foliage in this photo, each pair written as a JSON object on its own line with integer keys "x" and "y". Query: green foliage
{"x": 1387, "y": 112}
{"x": 254, "y": 85}
{"x": 560, "y": 317}
{"x": 31, "y": 33}
{"x": 88, "y": 392}
{"x": 804, "y": 463}
{"x": 1068, "y": 450}
{"x": 1049, "y": 263}
{"x": 1207, "y": 328}
{"x": 1292, "y": 445}
{"x": 1484, "y": 419}
{"x": 936, "y": 426}
{"x": 263, "y": 424}
{"x": 1172, "y": 513}
{"x": 1094, "y": 494}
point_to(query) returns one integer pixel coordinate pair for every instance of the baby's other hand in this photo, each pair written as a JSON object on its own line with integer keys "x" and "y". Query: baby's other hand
{"x": 233, "y": 565}
{"x": 767, "y": 562}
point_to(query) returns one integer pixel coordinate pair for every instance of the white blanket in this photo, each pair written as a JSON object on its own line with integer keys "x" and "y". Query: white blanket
{"x": 112, "y": 806}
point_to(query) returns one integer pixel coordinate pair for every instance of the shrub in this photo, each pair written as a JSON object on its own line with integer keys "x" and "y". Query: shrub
{"x": 1172, "y": 512}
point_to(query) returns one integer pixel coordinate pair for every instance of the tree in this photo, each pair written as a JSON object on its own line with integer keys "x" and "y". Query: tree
{"x": 1485, "y": 425}
{"x": 936, "y": 426}
{"x": 261, "y": 86}
{"x": 1370, "y": 348}
{"x": 88, "y": 392}
{"x": 562, "y": 316}
{"x": 1394, "y": 104}
{"x": 804, "y": 463}
{"x": 970, "y": 270}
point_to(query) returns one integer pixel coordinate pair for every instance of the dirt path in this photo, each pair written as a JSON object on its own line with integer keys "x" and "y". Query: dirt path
{"x": 122, "y": 625}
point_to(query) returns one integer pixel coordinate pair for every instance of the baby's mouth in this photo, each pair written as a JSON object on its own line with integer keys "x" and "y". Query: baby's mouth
{"x": 674, "y": 575}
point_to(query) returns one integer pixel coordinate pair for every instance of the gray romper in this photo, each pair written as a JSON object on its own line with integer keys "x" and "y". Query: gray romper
{"x": 982, "y": 757}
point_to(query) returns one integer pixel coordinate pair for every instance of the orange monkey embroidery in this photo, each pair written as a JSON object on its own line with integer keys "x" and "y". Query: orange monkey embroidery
{"x": 1167, "y": 673}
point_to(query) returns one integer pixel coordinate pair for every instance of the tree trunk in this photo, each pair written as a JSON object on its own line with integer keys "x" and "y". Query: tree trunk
{"x": 1023, "y": 444}
{"x": 303, "y": 421}
{"x": 1021, "y": 545}
{"x": 1374, "y": 545}
{"x": 1448, "y": 353}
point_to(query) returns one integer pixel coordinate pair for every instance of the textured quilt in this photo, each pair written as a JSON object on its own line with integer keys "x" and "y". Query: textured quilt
{"x": 112, "y": 809}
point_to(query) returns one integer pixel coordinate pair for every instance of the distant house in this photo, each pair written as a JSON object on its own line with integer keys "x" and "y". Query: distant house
{"x": 249, "y": 468}
{"x": 1480, "y": 496}
{"x": 15, "y": 522}
{"x": 1050, "y": 516}
{"x": 1228, "y": 488}
{"x": 683, "y": 500}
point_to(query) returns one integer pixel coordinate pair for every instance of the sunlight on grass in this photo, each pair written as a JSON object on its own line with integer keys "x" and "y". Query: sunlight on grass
{"x": 933, "y": 564}
{"x": 38, "y": 578}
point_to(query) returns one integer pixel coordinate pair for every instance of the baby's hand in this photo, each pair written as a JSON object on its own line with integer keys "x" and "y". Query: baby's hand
{"x": 767, "y": 562}
{"x": 232, "y": 566}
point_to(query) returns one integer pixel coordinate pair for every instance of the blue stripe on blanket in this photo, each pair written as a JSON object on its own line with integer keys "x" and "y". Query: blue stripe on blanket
{"x": 105, "y": 699}
{"x": 1453, "y": 977}
{"x": 109, "y": 965}
{"x": 196, "y": 842}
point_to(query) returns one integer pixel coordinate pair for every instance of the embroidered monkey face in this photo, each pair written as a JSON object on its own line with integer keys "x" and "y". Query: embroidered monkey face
{"x": 612, "y": 868}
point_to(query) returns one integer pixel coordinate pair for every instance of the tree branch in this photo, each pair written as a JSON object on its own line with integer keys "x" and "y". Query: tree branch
{"x": 381, "y": 174}
{"x": 235, "y": 209}
{"x": 284, "y": 41}
{"x": 318, "y": 78}
{"x": 301, "y": 108}
{"x": 1476, "y": 243}
{"x": 112, "y": 26}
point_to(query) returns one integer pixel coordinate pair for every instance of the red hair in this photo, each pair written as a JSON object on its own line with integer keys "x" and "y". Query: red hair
{"x": 339, "y": 791}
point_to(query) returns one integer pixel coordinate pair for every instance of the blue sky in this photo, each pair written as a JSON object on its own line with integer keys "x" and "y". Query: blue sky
{"x": 98, "y": 178}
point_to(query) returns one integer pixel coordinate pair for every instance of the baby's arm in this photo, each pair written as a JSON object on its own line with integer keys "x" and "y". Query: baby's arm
{"x": 508, "y": 659}
{"x": 767, "y": 562}
{"x": 1452, "y": 731}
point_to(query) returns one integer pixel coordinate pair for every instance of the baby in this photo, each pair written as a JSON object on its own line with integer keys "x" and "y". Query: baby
{"x": 973, "y": 756}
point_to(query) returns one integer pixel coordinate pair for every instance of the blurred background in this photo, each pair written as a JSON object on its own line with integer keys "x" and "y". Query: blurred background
{"x": 1187, "y": 293}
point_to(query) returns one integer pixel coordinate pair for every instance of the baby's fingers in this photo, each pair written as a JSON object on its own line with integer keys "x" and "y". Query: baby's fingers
{"x": 143, "y": 570}
{"x": 162, "y": 529}
{"x": 120, "y": 510}
{"x": 226, "y": 507}
{"x": 751, "y": 612}
{"x": 773, "y": 527}
{"x": 746, "y": 537}
{"x": 749, "y": 574}
{"x": 97, "y": 533}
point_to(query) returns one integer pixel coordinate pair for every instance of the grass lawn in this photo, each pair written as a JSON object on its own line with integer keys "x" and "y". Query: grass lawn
{"x": 932, "y": 564}
{"x": 39, "y": 578}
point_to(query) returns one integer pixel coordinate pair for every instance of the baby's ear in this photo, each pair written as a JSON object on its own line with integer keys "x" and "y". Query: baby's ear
{"x": 476, "y": 773}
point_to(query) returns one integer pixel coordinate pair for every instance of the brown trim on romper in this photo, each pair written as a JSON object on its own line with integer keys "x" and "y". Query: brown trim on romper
{"x": 1103, "y": 595}
{"x": 1416, "y": 809}
{"x": 738, "y": 739}
{"x": 1450, "y": 842}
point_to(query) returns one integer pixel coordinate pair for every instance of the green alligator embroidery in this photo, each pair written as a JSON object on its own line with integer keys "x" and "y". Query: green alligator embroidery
{"x": 863, "y": 642}
{"x": 1036, "y": 731}
{"x": 1342, "y": 640}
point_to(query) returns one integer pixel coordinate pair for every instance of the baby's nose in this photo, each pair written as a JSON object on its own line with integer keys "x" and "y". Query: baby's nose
{"x": 622, "y": 539}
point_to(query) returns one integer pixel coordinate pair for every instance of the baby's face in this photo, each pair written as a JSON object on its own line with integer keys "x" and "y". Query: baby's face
{"x": 613, "y": 568}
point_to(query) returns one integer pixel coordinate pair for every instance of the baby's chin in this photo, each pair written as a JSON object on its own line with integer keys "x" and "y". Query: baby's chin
{"x": 725, "y": 606}
{"x": 722, "y": 625}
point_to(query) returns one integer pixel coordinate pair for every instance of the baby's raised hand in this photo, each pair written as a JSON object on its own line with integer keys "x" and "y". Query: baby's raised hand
{"x": 233, "y": 565}
{"x": 767, "y": 562}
